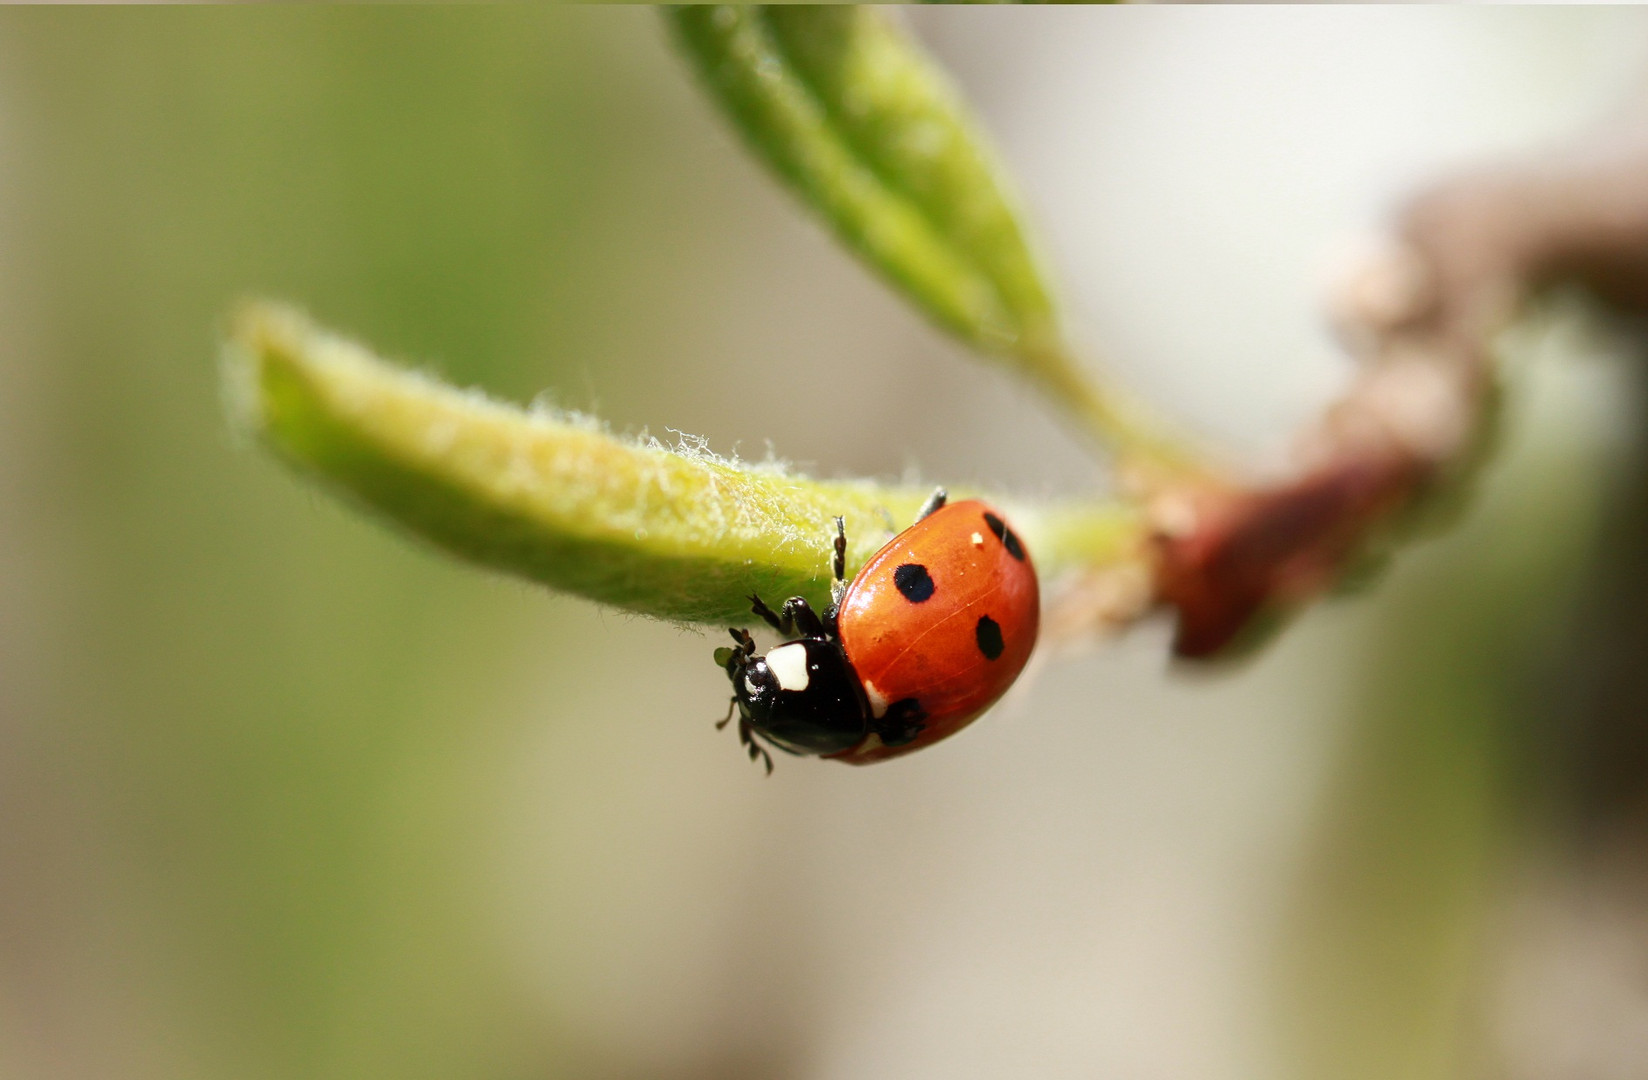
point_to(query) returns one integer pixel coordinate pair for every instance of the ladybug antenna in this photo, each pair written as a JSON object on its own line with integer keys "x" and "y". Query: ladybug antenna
{"x": 746, "y": 644}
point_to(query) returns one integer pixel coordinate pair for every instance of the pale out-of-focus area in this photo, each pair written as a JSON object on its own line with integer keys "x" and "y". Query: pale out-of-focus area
{"x": 283, "y": 793}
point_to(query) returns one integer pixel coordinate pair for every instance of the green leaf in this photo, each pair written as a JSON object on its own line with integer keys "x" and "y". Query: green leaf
{"x": 847, "y": 109}
{"x": 677, "y": 533}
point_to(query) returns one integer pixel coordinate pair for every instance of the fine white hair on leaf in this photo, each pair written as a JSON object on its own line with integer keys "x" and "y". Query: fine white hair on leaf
{"x": 673, "y": 531}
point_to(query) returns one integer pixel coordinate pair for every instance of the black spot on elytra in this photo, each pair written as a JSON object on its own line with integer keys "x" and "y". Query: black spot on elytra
{"x": 914, "y": 582}
{"x": 1008, "y": 537}
{"x": 904, "y": 721}
{"x": 988, "y": 633}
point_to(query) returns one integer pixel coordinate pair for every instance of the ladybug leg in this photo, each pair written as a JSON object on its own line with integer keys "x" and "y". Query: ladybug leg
{"x": 935, "y": 501}
{"x": 746, "y": 735}
{"x": 838, "y": 565}
{"x": 800, "y": 614}
{"x": 796, "y": 613}
{"x": 784, "y": 624}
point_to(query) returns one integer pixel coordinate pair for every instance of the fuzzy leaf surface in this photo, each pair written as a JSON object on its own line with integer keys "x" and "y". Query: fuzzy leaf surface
{"x": 675, "y": 533}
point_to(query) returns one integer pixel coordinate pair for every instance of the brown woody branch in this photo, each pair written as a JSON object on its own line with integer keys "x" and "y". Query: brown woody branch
{"x": 1420, "y": 314}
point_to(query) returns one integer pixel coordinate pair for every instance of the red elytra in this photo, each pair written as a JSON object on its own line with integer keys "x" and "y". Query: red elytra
{"x": 945, "y": 614}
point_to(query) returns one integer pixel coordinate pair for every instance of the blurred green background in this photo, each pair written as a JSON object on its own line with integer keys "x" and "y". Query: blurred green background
{"x": 285, "y": 794}
{"x": 242, "y": 723}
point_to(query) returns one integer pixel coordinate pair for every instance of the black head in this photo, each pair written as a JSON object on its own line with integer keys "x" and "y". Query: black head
{"x": 802, "y": 696}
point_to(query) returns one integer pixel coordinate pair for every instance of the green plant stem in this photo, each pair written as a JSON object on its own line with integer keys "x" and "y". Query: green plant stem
{"x": 849, "y": 111}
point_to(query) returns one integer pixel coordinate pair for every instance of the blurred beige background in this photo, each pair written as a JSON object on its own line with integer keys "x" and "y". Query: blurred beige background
{"x": 284, "y": 794}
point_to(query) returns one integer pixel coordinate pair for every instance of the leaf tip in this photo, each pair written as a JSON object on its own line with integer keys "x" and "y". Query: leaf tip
{"x": 260, "y": 337}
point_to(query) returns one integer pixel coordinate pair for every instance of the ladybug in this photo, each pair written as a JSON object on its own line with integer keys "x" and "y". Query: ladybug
{"x": 933, "y": 629}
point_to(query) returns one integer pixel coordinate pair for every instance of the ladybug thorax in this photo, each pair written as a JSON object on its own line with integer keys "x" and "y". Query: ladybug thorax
{"x": 789, "y": 665}
{"x": 804, "y": 696}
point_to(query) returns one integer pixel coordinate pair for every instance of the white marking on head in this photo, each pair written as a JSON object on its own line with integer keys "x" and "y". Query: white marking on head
{"x": 749, "y": 684}
{"x": 878, "y": 703}
{"x": 788, "y": 663}
{"x": 978, "y": 539}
